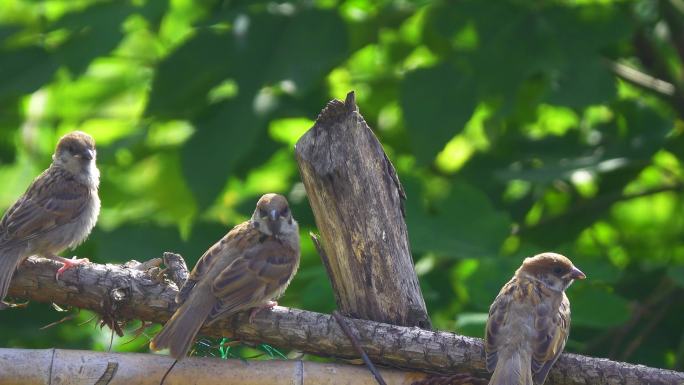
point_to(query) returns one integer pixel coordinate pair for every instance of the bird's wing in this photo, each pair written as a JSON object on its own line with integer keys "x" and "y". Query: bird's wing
{"x": 254, "y": 277}
{"x": 497, "y": 318}
{"x": 53, "y": 199}
{"x": 552, "y": 323}
{"x": 222, "y": 252}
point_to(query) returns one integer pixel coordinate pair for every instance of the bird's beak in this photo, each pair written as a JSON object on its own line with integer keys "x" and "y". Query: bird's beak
{"x": 273, "y": 222}
{"x": 88, "y": 154}
{"x": 576, "y": 273}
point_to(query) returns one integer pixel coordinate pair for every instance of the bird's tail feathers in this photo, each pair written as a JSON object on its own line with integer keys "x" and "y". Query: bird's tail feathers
{"x": 8, "y": 265}
{"x": 179, "y": 332}
{"x": 515, "y": 370}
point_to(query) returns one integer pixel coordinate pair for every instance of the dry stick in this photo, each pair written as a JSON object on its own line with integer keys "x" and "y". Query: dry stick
{"x": 355, "y": 343}
{"x": 641, "y": 79}
{"x": 650, "y": 326}
{"x": 168, "y": 371}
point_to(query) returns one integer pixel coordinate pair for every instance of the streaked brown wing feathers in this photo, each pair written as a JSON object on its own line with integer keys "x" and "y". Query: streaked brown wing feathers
{"x": 253, "y": 277}
{"x": 497, "y": 317}
{"x": 553, "y": 328}
{"x": 220, "y": 250}
{"x": 52, "y": 200}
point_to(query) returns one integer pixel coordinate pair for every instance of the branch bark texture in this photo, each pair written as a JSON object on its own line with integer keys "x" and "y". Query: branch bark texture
{"x": 357, "y": 200}
{"x": 140, "y": 295}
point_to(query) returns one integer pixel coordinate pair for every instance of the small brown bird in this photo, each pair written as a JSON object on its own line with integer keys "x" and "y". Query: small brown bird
{"x": 58, "y": 210}
{"x": 248, "y": 268}
{"x": 529, "y": 321}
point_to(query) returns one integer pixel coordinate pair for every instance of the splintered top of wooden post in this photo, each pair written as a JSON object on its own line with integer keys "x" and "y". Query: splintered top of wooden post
{"x": 337, "y": 110}
{"x": 346, "y": 114}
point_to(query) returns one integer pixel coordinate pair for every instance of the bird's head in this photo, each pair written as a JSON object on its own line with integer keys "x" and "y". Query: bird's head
{"x": 554, "y": 270}
{"x": 75, "y": 152}
{"x": 272, "y": 216}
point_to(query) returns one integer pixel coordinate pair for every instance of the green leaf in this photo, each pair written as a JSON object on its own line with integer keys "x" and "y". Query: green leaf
{"x": 226, "y": 134}
{"x": 471, "y": 324}
{"x": 179, "y": 88}
{"x": 7, "y": 31}
{"x": 262, "y": 49}
{"x": 597, "y": 307}
{"x": 512, "y": 42}
{"x": 491, "y": 274}
{"x": 95, "y": 32}
{"x": 582, "y": 83}
{"x": 25, "y": 70}
{"x": 437, "y": 102}
{"x": 676, "y": 274}
{"x": 144, "y": 241}
{"x": 463, "y": 225}
{"x": 306, "y": 47}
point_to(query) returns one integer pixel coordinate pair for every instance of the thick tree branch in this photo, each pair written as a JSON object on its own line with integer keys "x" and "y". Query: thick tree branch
{"x": 128, "y": 293}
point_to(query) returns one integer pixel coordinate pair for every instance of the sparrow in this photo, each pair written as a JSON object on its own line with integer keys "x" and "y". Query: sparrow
{"x": 529, "y": 321}
{"x": 248, "y": 268}
{"x": 57, "y": 211}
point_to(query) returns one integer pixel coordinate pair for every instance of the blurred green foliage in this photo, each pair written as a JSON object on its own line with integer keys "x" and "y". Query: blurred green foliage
{"x": 506, "y": 120}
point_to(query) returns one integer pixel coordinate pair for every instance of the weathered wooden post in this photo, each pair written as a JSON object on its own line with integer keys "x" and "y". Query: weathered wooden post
{"x": 357, "y": 200}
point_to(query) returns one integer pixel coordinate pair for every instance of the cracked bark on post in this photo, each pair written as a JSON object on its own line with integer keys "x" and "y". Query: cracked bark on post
{"x": 150, "y": 299}
{"x": 357, "y": 200}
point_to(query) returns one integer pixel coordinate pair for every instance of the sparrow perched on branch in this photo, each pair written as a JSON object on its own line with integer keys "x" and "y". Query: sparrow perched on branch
{"x": 529, "y": 321}
{"x": 248, "y": 268}
{"x": 58, "y": 210}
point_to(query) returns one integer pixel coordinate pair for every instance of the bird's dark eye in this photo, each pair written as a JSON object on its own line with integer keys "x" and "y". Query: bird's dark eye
{"x": 263, "y": 213}
{"x": 284, "y": 212}
{"x": 558, "y": 270}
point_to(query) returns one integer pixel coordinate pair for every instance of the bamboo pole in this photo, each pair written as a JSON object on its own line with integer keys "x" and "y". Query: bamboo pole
{"x": 82, "y": 367}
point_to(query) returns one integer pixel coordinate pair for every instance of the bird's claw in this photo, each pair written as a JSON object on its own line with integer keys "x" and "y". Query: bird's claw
{"x": 256, "y": 310}
{"x": 68, "y": 264}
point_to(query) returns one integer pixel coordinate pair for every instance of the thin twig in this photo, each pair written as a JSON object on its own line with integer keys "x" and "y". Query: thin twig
{"x": 355, "y": 343}
{"x": 51, "y": 324}
{"x": 111, "y": 340}
{"x": 87, "y": 321}
{"x": 138, "y": 332}
{"x": 168, "y": 371}
{"x": 650, "y": 326}
{"x": 641, "y": 79}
